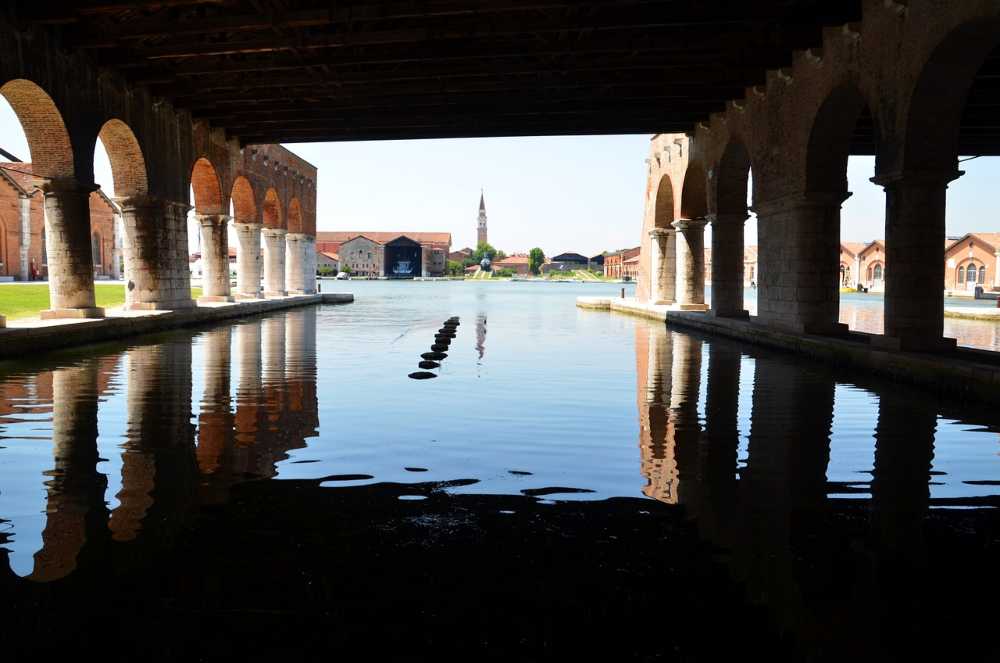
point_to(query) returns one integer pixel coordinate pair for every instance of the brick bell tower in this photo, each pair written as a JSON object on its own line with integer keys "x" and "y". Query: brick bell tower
{"x": 481, "y": 229}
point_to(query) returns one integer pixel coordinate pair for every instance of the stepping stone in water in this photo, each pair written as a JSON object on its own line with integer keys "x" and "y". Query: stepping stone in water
{"x": 439, "y": 347}
{"x": 436, "y": 356}
{"x": 429, "y": 364}
{"x": 422, "y": 375}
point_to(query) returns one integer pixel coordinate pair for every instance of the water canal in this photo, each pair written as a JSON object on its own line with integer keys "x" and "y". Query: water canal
{"x": 570, "y": 480}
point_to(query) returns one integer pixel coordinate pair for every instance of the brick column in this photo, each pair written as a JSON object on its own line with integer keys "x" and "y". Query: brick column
{"x": 690, "y": 264}
{"x": 309, "y": 250}
{"x": 214, "y": 258}
{"x": 25, "y": 210}
{"x": 798, "y": 281}
{"x": 662, "y": 265}
{"x": 295, "y": 263}
{"x": 67, "y": 245}
{"x": 157, "y": 273}
{"x": 274, "y": 262}
{"x": 914, "y": 257}
{"x": 727, "y": 265}
{"x": 248, "y": 260}
{"x": 116, "y": 250}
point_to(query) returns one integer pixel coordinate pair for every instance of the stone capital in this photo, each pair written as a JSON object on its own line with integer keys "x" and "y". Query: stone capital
{"x": 657, "y": 233}
{"x": 917, "y": 178}
{"x": 296, "y": 237}
{"x": 64, "y": 185}
{"x": 696, "y": 224}
{"x": 142, "y": 203}
{"x": 209, "y": 220}
{"x": 274, "y": 232}
{"x": 800, "y": 200}
{"x": 727, "y": 219}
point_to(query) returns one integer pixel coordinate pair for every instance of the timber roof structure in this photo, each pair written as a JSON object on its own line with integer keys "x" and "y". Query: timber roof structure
{"x": 303, "y": 70}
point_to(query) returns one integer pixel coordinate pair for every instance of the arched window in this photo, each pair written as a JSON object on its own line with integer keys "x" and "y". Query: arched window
{"x": 971, "y": 274}
{"x": 877, "y": 272}
{"x": 982, "y": 275}
{"x": 95, "y": 244}
{"x": 961, "y": 276}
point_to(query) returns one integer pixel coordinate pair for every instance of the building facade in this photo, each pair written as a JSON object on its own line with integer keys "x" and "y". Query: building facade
{"x": 614, "y": 263}
{"x": 23, "y": 254}
{"x": 973, "y": 261}
{"x": 363, "y": 256}
{"x": 433, "y": 248}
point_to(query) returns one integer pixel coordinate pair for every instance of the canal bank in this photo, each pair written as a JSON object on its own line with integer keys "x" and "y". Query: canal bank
{"x": 34, "y": 335}
{"x": 967, "y": 372}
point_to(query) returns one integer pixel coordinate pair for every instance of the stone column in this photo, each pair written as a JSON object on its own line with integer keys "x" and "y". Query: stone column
{"x": 727, "y": 265}
{"x": 248, "y": 261}
{"x": 215, "y": 258}
{"x": 690, "y": 264}
{"x": 157, "y": 275}
{"x": 274, "y": 262}
{"x": 914, "y": 261}
{"x": 116, "y": 251}
{"x": 309, "y": 249}
{"x": 68, "y": 247}
{"x": 662, "y": 265}
{"x": 798, "y": 283}
{"x": 295, "y": 263}
{"x": 25, "y": 210}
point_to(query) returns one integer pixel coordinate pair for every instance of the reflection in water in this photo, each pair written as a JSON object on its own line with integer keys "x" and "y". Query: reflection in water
{"x": 481, "y": 335}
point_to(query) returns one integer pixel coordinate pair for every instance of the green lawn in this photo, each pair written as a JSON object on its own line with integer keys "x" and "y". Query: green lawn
{"x": 25, "y": 301}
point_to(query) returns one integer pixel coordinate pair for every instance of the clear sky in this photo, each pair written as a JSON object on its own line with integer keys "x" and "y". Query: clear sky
{"x": 582, "y": 194}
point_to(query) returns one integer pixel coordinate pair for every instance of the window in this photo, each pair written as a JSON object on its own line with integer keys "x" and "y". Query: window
{"x": 878, "y": 272}
{"x": 971, "y": 274}
{"x": 961, "y": 275}
{"x": 982, "y": 275}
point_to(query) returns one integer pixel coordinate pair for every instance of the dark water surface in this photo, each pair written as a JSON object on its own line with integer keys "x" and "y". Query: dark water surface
{"x": 569, "y": 480}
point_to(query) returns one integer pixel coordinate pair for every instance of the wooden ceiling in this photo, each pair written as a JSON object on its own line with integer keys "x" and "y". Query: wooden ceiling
{"x": 300, "y": 70}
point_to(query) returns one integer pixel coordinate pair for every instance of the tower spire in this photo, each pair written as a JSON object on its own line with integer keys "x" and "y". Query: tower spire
{"x": 481, "y": 228}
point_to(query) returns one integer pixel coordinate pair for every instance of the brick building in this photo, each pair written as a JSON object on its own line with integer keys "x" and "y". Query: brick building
{"x": 434, "y": 248}
{"x": 973, "y": 261}
{"x": 614, "y": 263}
{"x": 363, "y": 255}
{"x": 25, "y": 258}
{"x": 517, "y": 263}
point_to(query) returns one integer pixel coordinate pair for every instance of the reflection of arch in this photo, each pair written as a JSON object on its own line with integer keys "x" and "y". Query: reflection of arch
{"x": 128, "y": 167}
{"x": 733, "y": 175}
{"x": 207, "y": 188}
{"x": 273, "y": 217}
{"x": 295, "y": 216}
{"x": 938, "y": 101}
{"x": 48, "y": 140}
{"x": 694, "y": 203}
{"x": 244, "y": 202}
{"x": 664, "y": 204}
{"x": 830, "y": 139}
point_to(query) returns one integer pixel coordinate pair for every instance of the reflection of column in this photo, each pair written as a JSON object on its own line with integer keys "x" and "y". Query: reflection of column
{"x": 215, "y": 421}
{"x": 295, "y": 263}
{"x": 75, "y": 487}
{"x": 691, "y": 264}
{"x": 914, "y": 261}
{"x": 157, "y": 273}
{"x": 727, "y": 265}
{"x": 799, "y": 263}
{"x": 248, "y": 261}
{"x": 904, "y": 449}
{"x": 685, "y": 386}
{"x": 68, "y": 250}
{"x": 662, "y": 265}
{"x": 249, "y": 395}
{"x": 274, "y": 262}
{"x": 158, "y": 460}
{"x": 653, "y": 369}
{"x": 300, "y": 374}
{"x": 273, "y": 437}
{"x": 214, "y": 257}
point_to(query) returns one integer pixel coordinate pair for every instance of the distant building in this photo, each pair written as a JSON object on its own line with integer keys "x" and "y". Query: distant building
{"x": 363, "y": 255}
{"x": 460, "y": 255}
{"x": 196, "y": 264}
{"x": 481, "y": 224}
{"x": 614, "y": 263}
{"x": 973, "y": 261}
{"x": 517, "y": 263}
{"x": 572, "y": 259}
{"x": 433, "y": 248}
{"x": 23, "y": 256}
{"x": 328, "y": 259}
{"x": 597, "y": 262}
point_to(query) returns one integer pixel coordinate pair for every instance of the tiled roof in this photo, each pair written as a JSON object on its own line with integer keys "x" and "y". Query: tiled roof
{"x": 331, "y": 255}
{"x": 512, "y": 260}
{"x": 854, "y": 248}
{"x": 21, "y": 174}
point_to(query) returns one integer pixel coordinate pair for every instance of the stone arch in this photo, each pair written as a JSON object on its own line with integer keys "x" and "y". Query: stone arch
{"x": 939, "y": 96}
{"x": 694, "y": 199}
{"x": 207, "y": 187}
{"x": 128, "y": 166}
{"x": 48, "y": 140}
{"x": 272, "y": 210}
{"x": 244, "y": 201}
{"x": 830, "y": 139}
{"x": 732, "y": 178}
{"x": 295, "y": 222}
{"x": 663, "y": 205}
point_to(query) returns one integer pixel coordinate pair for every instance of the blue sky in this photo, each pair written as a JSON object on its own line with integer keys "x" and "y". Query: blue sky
{"x": 582, "y": 194}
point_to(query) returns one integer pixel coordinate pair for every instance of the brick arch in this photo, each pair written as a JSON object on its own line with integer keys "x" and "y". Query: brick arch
{"x": 295, "y": 221}
{"x": 830, "y": 136}
{"x": 694, "y": 199}
{"x": 663, "y": 205}
{"x": 48, "y": 140}
{"x": 272, "y": 210}
{"x": 207, "y": 188}
{"x": 732, "y": 178}
{"x": 128, "y": 166}
{"x": 244, "y": 201}
{"x": 933, "y": 122}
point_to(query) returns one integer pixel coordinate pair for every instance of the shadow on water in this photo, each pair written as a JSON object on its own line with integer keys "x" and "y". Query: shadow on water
{"x": 160, "y": 538}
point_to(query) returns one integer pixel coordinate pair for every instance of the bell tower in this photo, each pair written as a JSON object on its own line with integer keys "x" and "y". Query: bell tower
{"x": 481, "y": 229}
